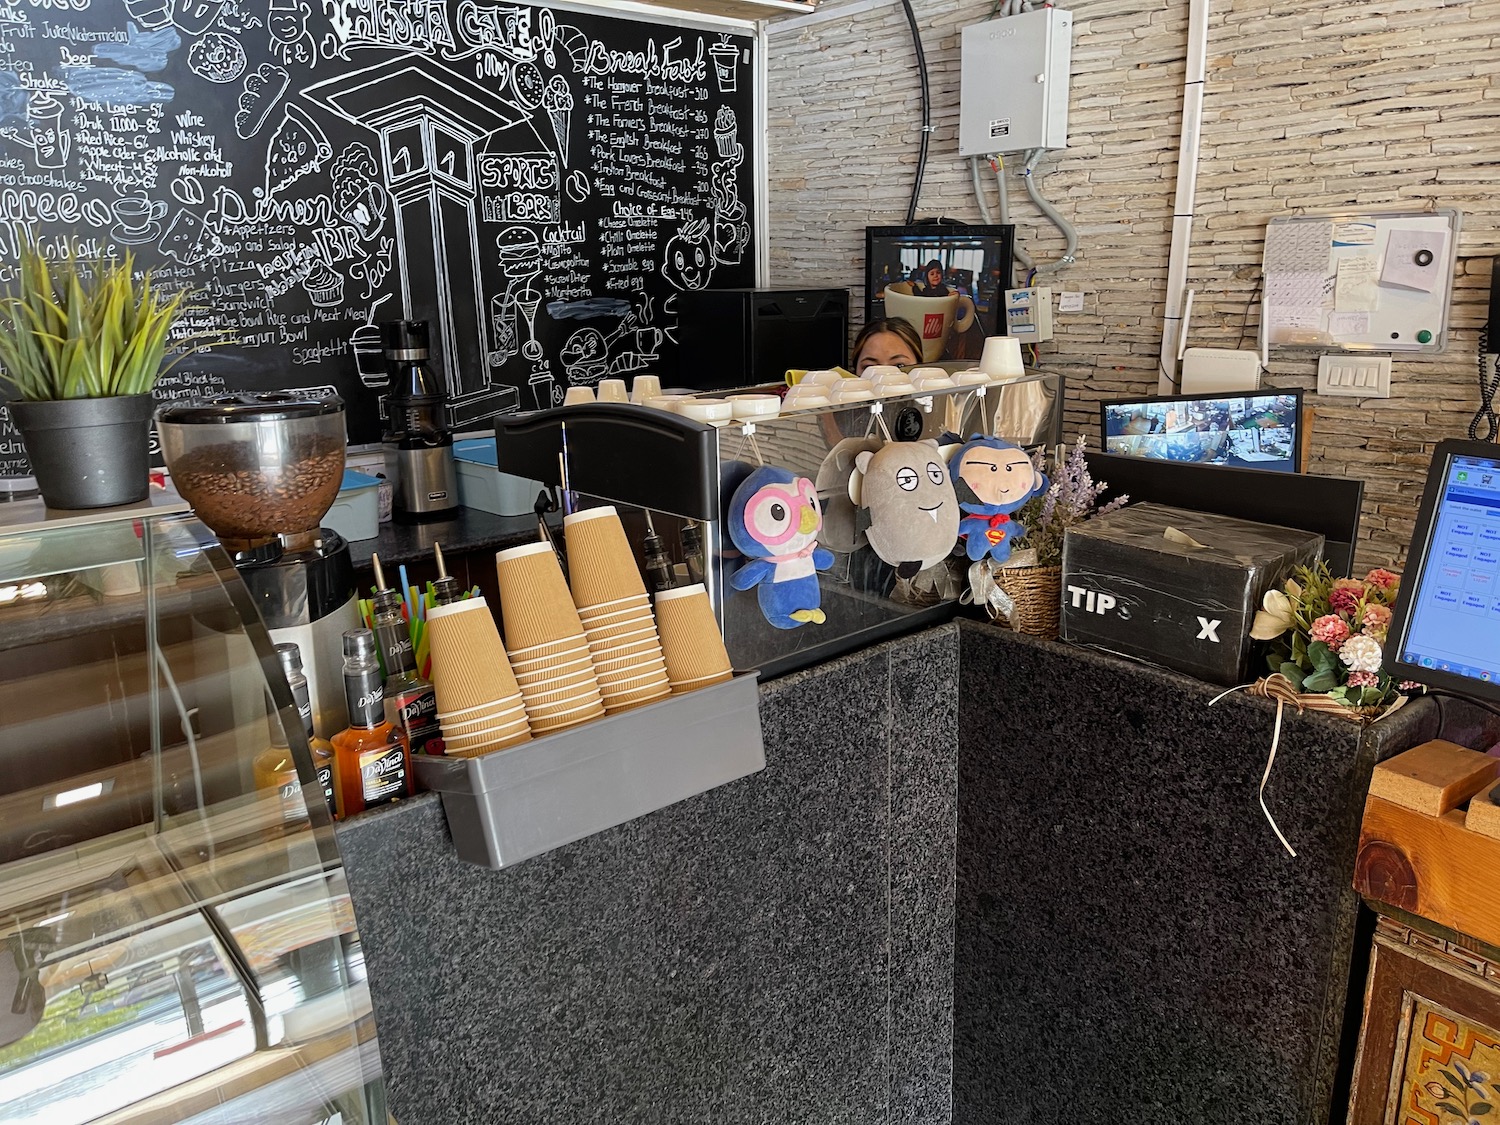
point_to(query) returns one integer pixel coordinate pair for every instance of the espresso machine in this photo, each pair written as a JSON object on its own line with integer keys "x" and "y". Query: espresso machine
{"x": 418, "y": 444}
{"x": 261, "y": 471}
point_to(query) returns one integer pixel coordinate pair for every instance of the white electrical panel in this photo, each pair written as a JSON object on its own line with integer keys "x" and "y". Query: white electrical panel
{"x": 1028, "y": 314}
{"x": 1013, "y": 83}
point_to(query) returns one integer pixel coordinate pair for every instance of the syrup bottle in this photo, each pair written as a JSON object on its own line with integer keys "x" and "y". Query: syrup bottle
{"x": 322, "y": 750}
{"x": 410, "y": 705}
{"x": 275, "y": 770}
{"x": 446, "y": 589}
{"x": 372, "y": 762}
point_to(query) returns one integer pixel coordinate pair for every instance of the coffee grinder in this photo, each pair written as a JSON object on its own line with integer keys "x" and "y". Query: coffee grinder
{"x": 418, "y": 445}
{"x": 261, "y": 471}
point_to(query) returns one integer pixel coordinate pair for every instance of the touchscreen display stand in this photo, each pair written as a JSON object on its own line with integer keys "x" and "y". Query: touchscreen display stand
{"x": 1445, "y": 630}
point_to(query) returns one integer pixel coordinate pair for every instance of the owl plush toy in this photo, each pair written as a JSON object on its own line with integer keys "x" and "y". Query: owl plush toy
{"x": 993, "y": 478}
{"x": 774, "y": 520}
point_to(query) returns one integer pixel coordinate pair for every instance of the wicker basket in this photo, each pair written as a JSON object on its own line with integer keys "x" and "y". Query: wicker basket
{"x": 1037, "y": 592}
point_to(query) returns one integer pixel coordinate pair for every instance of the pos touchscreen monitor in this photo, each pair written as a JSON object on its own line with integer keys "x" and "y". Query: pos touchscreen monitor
{"x": 1445, "y": 630}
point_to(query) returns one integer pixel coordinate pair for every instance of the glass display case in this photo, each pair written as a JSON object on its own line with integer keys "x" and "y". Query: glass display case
{"x": 179, "y": 944}
{"x": 675, "y": 478}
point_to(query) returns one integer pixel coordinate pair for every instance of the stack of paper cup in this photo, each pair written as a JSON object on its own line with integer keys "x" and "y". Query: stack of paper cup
{"x": 615, "y": 610}
{"x": 478, "y": 700}
{"x": 548, "y": 649}
{"x": 1001, "y": 358}
{"x": 690, "y": 639}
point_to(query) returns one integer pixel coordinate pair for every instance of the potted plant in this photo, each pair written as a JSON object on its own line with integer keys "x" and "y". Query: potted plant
{"x": 81, "y": 345}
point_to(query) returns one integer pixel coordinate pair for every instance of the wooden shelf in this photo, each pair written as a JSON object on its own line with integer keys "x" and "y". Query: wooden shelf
{"x": 1421, "y": 851}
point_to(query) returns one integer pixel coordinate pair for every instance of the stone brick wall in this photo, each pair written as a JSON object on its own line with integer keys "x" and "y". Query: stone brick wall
{"x": 1344, "y": 104}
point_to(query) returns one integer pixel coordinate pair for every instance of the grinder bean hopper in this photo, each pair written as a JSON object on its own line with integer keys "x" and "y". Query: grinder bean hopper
{"x": 261, "y": 471}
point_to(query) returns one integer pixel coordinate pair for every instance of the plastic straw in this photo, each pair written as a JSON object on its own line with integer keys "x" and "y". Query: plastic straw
{"x": 411, "y": 610}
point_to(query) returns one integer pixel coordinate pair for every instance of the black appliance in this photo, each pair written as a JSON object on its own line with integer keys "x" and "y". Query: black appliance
{"x": 419, "y": 446}
{"x": 745, "y": 337}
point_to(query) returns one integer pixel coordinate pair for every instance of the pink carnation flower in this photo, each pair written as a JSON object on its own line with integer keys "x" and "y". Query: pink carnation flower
{"x": 1363, "y": 679}
{"x": 1377, "y": 621}
{"x": 1342, "y": 599}
{"x": 1331, "y": 629}
{"x": 1382, "y": 578}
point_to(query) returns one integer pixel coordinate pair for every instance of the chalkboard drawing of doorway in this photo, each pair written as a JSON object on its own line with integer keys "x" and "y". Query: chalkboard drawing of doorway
{"x": 429, "y": 121}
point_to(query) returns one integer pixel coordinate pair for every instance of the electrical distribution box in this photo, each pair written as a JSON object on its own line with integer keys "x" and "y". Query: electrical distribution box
{"x": 1028, "y": 314}
{"x": 1013, "y": 83}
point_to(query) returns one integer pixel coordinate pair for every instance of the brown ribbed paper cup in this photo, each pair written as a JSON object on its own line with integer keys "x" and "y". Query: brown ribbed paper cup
{"x": 639, "y": 624}
{"x": 558, "y": 718}
{"x": 506, "y": 711}
{"x": 537, "y": 653}
{"x": 534, "y": 598}
{"x": 546, "y": 695}
{"x": 629, "y": 664}
{"x": 637, "y": 696}
{"x": 690, "y": 638}
{"x": 608, "y": 613}
{"x": 609, "y": 661}
{"x": 601, "y": 565}
{"x": 551, "y": 688}
{"x": 520, "y": 734}
{"x": 469, "y": 665}
{"x": 569, "y": 660}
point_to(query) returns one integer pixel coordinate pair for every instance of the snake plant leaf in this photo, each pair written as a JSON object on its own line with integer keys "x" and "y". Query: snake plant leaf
{"x": 72, "y": 328}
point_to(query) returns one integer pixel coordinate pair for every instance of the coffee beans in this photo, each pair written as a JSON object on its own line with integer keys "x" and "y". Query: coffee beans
{"x": 240, "y": 498}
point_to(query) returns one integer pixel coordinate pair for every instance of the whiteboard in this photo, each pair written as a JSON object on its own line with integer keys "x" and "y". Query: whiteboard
{"x": 1360, "y": 281}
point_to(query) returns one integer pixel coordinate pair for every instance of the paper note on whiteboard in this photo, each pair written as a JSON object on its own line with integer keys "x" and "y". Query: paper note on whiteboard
{"x": 1355, "y": 289}
{"x": 1348, "y": 325}
{"x": 1415, "y": 259}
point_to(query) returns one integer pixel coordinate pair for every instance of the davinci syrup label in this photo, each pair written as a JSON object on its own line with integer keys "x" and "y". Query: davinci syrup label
{"x": 365, "y": 694}
{"x": 325, "y": 782}
{"x": 382, "y": 775}
{"x": 395, "y": 648}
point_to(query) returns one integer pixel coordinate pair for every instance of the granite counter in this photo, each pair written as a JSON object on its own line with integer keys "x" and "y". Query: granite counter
{"x": 981, "y": 879}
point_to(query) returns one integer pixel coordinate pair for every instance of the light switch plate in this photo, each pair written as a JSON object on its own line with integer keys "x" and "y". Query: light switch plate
{"x": 1355, "y": 376}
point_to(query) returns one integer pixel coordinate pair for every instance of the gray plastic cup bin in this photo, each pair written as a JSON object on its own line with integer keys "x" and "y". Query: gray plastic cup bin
{"x": 517, "y": 803}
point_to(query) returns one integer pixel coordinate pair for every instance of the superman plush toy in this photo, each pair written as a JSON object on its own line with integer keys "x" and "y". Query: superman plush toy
{"x": 994, "y": 478}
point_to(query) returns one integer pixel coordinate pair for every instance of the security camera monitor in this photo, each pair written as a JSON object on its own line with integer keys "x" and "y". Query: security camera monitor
{"x": 1445, "y": 631}
{"x": 1241, "y": 431}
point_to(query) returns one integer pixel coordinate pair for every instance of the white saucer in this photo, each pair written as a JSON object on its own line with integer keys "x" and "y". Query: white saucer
{"x": 149, "y": 233}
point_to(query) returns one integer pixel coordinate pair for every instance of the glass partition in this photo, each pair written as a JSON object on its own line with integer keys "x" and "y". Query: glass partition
{"x": 175, "y": 942}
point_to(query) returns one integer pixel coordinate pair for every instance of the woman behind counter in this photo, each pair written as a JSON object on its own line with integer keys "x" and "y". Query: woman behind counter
{"x": 887, "y": 342}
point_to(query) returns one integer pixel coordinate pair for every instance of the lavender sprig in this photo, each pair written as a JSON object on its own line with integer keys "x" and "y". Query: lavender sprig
{"x": 1072, "y": 498}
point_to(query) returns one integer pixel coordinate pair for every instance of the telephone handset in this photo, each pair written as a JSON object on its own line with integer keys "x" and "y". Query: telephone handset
{"x": 1489, "y": 366}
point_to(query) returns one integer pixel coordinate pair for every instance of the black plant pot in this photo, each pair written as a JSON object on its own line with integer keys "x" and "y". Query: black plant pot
{"x": 88, "y": 452}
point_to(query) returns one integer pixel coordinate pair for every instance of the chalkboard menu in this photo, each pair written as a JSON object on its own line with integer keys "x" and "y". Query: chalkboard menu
{"x": 538, "y": 185}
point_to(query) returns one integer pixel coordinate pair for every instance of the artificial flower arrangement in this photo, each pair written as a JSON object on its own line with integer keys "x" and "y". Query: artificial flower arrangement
{"x": 1328, "y": 634}
{"x": 1071, "y": 498}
